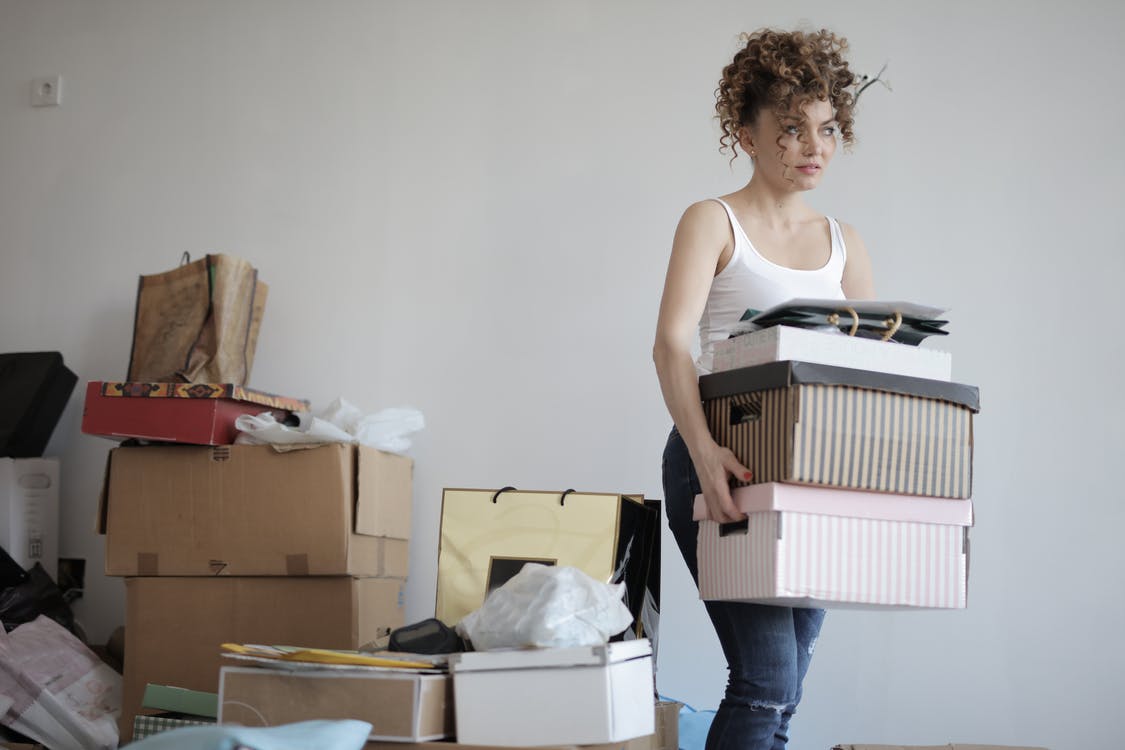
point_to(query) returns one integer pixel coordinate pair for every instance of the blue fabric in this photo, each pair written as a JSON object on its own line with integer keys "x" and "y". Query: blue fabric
{"x": 345, "y": 734}
{"x": 767, "y": 648}
{"x": 693, "y": 726}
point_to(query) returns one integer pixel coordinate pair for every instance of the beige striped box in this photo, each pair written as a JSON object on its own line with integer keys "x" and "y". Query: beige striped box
{"x": 812, "y": 547}
{"x": 840, "y": 427}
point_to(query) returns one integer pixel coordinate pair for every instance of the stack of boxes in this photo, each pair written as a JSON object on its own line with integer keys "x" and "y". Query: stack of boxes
{"x": 245, "y": 544}
{"x": 862, "y": 462}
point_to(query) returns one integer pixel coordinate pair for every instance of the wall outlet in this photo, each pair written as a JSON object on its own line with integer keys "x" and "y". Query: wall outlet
{"x": 46, "y": 92}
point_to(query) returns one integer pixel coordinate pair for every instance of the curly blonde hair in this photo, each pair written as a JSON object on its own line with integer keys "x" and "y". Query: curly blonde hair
{"x": 782, "y": 71}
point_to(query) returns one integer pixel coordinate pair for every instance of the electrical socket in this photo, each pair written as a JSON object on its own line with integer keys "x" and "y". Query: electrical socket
{"x": 46, "y": 92}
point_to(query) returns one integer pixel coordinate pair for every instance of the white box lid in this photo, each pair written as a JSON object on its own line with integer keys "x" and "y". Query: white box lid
{"x": 539, "y": 658}
{"x": 834, "y": 501}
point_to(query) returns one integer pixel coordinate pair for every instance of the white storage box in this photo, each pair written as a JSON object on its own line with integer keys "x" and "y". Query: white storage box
{"x": 779, "y": 343}
{"x": 811, "y": 547}
{"x": 29, "y": 511}
{"x": 554, "y": 696}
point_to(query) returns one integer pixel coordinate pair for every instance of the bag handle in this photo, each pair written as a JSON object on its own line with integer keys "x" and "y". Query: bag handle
{"x": 834, "y": 319}
{"x": 892, "y": 324}
{"x": 562, "y": 498}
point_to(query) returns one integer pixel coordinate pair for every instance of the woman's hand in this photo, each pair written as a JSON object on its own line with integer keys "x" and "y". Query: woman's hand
{"x": 714, "y": 465}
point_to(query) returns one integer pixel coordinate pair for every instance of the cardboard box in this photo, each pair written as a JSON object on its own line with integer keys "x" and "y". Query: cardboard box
{"x": 400, "y": 706}
{"x": 667, "y": 735}
{"x": 779, "y": 343}
{"x": 29, "y": 511}
{"x": 488, "y": 535}
{"x": 194, "y": 413}
{"x": 812, "y": 547}
{"x": 175, "y": 626}
{"x": 835, "y": 426}
{"x": 554, "y": 696}
{"x": 250, "y": 510}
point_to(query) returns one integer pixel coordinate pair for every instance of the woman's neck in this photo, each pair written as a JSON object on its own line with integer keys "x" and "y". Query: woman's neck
{"x": 773, "y": 207}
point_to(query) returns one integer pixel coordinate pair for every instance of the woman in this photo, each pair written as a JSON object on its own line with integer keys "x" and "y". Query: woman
{"x": 785, "y": 100}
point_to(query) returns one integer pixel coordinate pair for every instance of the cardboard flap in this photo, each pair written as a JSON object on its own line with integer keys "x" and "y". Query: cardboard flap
{"x": 791, "y": 372}
{"x": 383, "y": 493}
{"x": 103, "y": 497}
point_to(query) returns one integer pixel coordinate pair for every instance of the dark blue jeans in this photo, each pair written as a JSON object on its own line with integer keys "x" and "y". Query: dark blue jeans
{"x": 768, "y": 648}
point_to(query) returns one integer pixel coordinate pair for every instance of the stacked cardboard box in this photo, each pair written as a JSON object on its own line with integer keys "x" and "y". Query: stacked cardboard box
{"x": 862, "y": 473}
{"x": 246, "y": 544}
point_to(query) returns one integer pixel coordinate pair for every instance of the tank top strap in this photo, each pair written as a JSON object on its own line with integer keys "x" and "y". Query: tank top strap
{"x": 736, "y": 231}
{"x": 838, "y": 246}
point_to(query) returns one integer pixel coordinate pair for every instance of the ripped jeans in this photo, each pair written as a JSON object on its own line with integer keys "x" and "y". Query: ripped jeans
{"x": 767, "y": 648}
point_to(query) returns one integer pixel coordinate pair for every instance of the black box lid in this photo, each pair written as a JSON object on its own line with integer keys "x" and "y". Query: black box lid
{"x": 792, "y": 372}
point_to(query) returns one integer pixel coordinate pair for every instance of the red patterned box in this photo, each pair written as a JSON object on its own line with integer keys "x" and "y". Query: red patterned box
{"x": 195, "y": 413}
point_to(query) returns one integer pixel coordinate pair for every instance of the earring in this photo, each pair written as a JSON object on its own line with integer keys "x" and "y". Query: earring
{"x": 753, "y": 153}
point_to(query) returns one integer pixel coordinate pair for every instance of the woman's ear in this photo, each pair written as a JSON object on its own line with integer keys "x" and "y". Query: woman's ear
{"x": 746, "y": 141}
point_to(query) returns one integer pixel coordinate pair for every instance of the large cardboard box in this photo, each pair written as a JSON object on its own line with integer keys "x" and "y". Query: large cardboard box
{"x": 175, "y": 626}
{"x": 194, "y": 413}
{"x": 779, "y": 343}
{"x": 29, "y": 511}
{"x": 252, "y": 511}
{"x": 554, "y": 696}
{"x": 835, "y": 426}
{"x": 813, "y": 547}
{"x": 400, "y": 706}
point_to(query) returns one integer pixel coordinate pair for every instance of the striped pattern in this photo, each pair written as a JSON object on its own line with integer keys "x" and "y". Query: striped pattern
{"x": 804, "y": 559}
{"x": 843, "y": 436}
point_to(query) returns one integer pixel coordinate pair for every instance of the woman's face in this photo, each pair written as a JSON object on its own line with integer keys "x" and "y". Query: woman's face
{"x": 794, "y": 152}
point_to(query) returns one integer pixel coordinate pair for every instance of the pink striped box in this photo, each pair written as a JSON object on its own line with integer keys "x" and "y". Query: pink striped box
{"x": 811, "y": 547}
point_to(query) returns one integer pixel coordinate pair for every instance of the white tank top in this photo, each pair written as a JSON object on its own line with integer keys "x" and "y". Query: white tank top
{"x": 751, "y": 281}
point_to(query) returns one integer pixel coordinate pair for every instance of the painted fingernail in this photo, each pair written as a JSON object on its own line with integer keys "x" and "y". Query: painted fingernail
{"x": 747, "y": 475}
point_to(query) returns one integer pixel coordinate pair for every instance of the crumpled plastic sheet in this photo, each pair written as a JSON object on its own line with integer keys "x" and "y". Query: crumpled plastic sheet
{"x": 547, "y": 606}
{"x": 340, "y": 422}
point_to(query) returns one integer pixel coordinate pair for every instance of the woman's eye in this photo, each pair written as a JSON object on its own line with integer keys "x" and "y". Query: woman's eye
{"x": 830, "y": 131}
{"x": 792, "y": 130}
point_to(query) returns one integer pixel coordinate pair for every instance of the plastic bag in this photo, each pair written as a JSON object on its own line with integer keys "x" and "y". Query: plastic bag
{"x": 340, "y": 422}
{"x": 38, "y": 595}
{"x": 546, "y": 606}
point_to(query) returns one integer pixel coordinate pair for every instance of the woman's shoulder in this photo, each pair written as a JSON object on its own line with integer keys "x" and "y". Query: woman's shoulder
{"x": 850, "y": 233}
{"x": 707, "y": 215}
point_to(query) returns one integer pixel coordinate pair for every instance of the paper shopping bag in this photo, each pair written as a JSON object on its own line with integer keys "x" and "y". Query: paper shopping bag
{"x": 198, "y": 323}
{"x": 488, "y": 535}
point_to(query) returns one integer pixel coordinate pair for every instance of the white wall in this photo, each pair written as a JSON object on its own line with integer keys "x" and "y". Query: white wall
{"x": 467, "y": 207}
